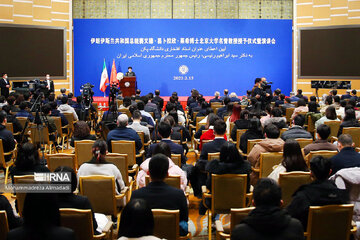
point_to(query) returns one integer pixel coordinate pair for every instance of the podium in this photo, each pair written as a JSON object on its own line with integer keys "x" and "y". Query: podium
{"x": 128, "y": 86}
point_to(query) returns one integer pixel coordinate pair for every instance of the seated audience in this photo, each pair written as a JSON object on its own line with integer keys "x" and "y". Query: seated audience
{"x": 110, "y": 115}
{"x": 56, "y": 113}
{"x": 99, "y": 166}
{"x": 327, "y": 103}
{"x": 271, "y": 143}
{"x": 210, "y": 134}
{"x": 164, "y": 129}
{"x": 268, "y": 221}
{"x": 297, "y": 130}
{"x": 318, "y": 193}
{"x": 6, "y": 136}
{"x": 340, "y": 111}
{"x": 177, "y": 127}
{"x": 11, "y": 118}
{"x": 41, "y": 219}
{"x": 347, "y": 156}
{"x": 151, "y": 107}
{"x": 122, "y": 132}
{"x": 330, "y": 115}
{"x": 346, "y": 95}
{"x": 323, "y": 132}
{"x": 280, "y": 100}
{"x": 288, "y": 104}
{"x": 11, "y": 103}
{"x": 348, "y": 121}
{"x": 233, "y": 97}
{"x": 163, "y": 148}
{"x": 235, "y": 115}
{"x": 254, "y": 132}
{"x": 13, "y": 221}
{"x": 216, "y": 98}
{"x": 141, "y": 106}
{"x": 72, "y": 200}
{"x": 219, "y": 138}
{"x": 126, "y": 103}
{"x": 2, "y": 101}
{"x": 66, "y": 108}
{"x": 160, "y": 195}
{"x": 300, "y": 108}
{"x": 223, "y": 111}
{"x": 158, "y": 100}
{"x": 313, "y": 112}
{"x": 211, "y": 118}
{"x": 137, "y": 213}
{"x": 276, "y": 118}
{"x": 23, "y": 112}
{"x": 293, "y": 160}
{"x": 81, "y": 132}
{"x": 267, "y": 114}
{"x": 242, "y": 123}
{"x": 137, "y": 126}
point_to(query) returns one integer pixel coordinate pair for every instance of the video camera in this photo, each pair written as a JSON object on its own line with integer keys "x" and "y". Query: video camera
{"x": 266, "y": 85}
{"x": 87, "y": 95}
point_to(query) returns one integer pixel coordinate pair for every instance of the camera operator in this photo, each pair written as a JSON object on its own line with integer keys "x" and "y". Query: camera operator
{"x": 84, "y": 102}
{"x": 262, "y": 91}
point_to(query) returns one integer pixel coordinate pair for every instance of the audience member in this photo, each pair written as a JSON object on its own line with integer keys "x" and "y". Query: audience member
{"x": 56, "y": 113}
{"x": 293, "y": 160}
{"x": 219, "y": 138}
{"x": 158, "y": 100}
{"x": 297, "y": 130}
{"x": 81, "y": 132}
{"x": 6, "y": 136}
{"x": 300, "y": 109}
{"x": 318, "y": 193}
{"x": 138, "y": 127}
{"x": 327, "y": 103}
{"x": 11, "y": 103}
{"x": 288, "y": 104}
{"x": 66, "y": 108}
{"x": 276, "y": 118}
{"x": 346, "y": 95}
{"x": 254, "y": 132}
{"x": 151, "y": 107}
{"x": 280, "y": 100}
{"x": 223, "y": 111}
{"x": 242, "y": 123}
{"x": 111, "y": 115}
{"x": 268, "y": 220}
{"x": 330, "y": 115}
{"x": 13, "y": 221}
{"x": 23, "y": 112}
{"x": 348, "y": 121}
{"x": 160, "y": 195}
{"x": 216, "y": 98}
{"x": 323, "y": 132}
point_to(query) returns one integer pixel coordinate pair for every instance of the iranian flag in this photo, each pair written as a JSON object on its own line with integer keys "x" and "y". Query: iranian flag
{"x": 104, "y": 78}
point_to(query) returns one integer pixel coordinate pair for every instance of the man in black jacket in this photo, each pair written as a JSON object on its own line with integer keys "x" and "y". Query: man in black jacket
{"x": 4, "y": 85}
{"x": 268, "y": 220}
{"x": 160, "y": 195}
{"x": 297, "y": 130}
{"x": 6, "y": 136}
{"x": 318, "y": 193}
{"x": 158, "y": 100}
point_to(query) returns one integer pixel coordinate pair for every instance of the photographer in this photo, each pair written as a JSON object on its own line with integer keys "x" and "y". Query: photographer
{"x": 262, "y": 91}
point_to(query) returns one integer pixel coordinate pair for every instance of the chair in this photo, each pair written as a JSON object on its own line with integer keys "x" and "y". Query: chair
{"x": 331, "y": 222}
{"x": 290, "y": 182}
{"x": 288, "y": 114}
{"x": 80, "y": 221}
{"x": 41, "y": 136}
{"x": 227, "y": 191}
{"x": 70, "y": 119}
{"x": 166, "y": 223}
{"x": 121, "y": 162}
{"x": 311, "y": 125}
{"x": 3, "y": 163}
{"x": 126, "y": 147}
{"x": 173, "y": 181}
{"x": 334, "y": 127}
{"x": 282, "y": 130}
{"x": 267, "y": 162}
{"x": 4, "y": 226}
{"x": 106, "y": 201}
{"x": 212, "y": 156}
{"x": 236, "y": 216}
{"x": 61, "y": 136}
{"x": 176, "y": 158}
{"x": 20, "y": 196}
{"x": 303, "y": 142}
{"x": 125, "y": 111}
{"x": 22, "y": 121}
{"x": 61, "y": 159}
{"x": 83, "y": 151}
{"x": 251, "y": 143}
{"x": 142, "y": 137}
{"x": 239, "y": 133}
{"x": 355, "y": 134}
{"x": 323, "y": 153}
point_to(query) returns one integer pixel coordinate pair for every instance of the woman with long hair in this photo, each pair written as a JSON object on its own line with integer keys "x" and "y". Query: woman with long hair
{"x": 242, "y": 123}
{"x": 293, "y": 160}
{"x": 99, "y": 166}
{"x": 235, "y": 115}
{"x": 330, "y": 115}
{"x": 81, "y": 132}
{"x": 349, "y": 120}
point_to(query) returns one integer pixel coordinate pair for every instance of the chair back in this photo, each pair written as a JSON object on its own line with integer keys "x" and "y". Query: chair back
{"x": 212, "y": 156}
{"x": 334, "y": 127}
{"x": 22, "y": 121}
{"x": 290, "y": 182}
{"x": 226, "y": 118}
{"x": 239, "y": 133}
{"x": 83, "y": 151}
{"x": 70, "y": 118}
{"x": 79, "y": 220}
{"x": 166, "y": 223}
{"x": 61, "y": 159}
{"x": 2, "y": 158}
{"x": 228, "y": 191}
{"x": 118, "y": 102}
{"x": 4, "y": 226}
{"x": 288, "y": 114}
{"x": 20, "y": 196}
{"x": 268, "y": 161}
{"x": 39, "y": 136}
{"x": 173, "y": 181}
{"x": 251, "y": 143}
{"x": 57, "y": 121}
{"x": 9, "y": 126}
{"x": 282, "y": 130}
{"x": 176, "y": 158}
{"x": 198, "y": 125}
{"x": 125, "y": 111}
{"x": 355, "y": 134}
{"x": 331, "y": 222}
{"x": 310, "y": 125}
{"x": 105, "y": 202}
{"x": 303, "y": 142}
{"x": 125, "y": 147}
{"x": 142, "y": 138}
{"x": 238, "y": 214}
{"x": 323, "y": 153}
{"x": 121, "y": 162}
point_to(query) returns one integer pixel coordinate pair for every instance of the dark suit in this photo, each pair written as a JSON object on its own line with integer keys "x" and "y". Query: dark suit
{"x": 51, "y": 88}
{"x": 174, "y": 148}
{"x": 50, "y": 233}
{"x": 160, "y": 195}
{"x": 222, "y": 111}
{"x": 130, "y": 74}
{"x": 13, "y": 221}
{"x": 216, "y": 99}
{"x": 211, "y": 147}
{"x": 4, "y": 89}
{"x": 346, "y": 158}
{"x": 158, "y": 101}
{"x": 7, "y": 141}
{"x": 124, "y": 133}
{"x": 345, "y": 96}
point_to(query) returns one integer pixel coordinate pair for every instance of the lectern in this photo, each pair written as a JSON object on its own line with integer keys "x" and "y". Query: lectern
{"x": 128, "y": 86}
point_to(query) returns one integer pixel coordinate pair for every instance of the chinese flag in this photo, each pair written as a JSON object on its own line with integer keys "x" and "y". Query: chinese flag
{"x": 113, "y": 74}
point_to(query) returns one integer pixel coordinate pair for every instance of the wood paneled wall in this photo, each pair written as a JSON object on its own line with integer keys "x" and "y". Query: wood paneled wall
{"x": 43, "y": 12}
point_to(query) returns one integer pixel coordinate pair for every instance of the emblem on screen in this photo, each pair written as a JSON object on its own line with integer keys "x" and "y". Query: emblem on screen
{"x": 183, "y": 69}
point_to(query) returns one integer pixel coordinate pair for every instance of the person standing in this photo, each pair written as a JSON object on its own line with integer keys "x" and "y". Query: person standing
{"x": 130, "y": 72}
{"x": 4, "y": 85}
{"x": 49, "y": 86}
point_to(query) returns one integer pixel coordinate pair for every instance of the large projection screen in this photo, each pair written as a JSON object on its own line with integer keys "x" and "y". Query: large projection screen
{"x": 32, "y": 51}
{"x": 329, "y": 52}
